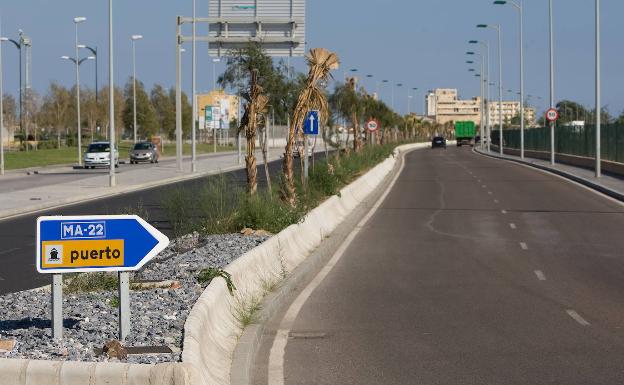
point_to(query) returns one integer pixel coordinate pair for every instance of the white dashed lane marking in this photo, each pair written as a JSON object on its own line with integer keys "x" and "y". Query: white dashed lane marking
{"x": 540, "y": 275}
{"x": 504, "y": 211}
{"x": 575, "y": 316}
{"x": 496, "y": 201}
{"x": 513, "y": 226}
{"x": 8, "y": 251}
{"x": 524, "y": 246}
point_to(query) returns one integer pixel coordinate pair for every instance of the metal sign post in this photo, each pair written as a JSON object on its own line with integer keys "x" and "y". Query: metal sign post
{"x": 372, "y": 126}
{"x": 551, "y": 116}
{"x": 80, "y": 244}
{"x": 310, "y": 127}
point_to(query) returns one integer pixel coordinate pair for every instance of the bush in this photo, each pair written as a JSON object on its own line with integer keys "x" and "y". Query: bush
{"x": 221, "y": 206}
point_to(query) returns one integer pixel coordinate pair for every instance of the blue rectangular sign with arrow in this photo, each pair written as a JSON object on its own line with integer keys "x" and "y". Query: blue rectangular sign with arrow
{"x": 76, "y": 244}
{"x": 311, "y": 123}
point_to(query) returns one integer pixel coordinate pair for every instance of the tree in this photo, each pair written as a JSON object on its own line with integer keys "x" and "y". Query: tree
{"x": 313, "y": 97}
{"x": 164, "y": 109}
{"x": 118, "y": 100}
{"x": 281, "y": 89}
{"x": 570, "y": 111}
{"x": 146, "y": 117}
{"x": 348, "y": 103}
{"x": 54, "y": 112}
{"x": 10, "y": 112}
{"x": 255, "y": 107}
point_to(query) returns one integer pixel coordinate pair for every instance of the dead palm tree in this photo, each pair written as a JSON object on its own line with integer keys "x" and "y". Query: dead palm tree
{"x": 255, "y": 107}
{"x": 321, "y": 62}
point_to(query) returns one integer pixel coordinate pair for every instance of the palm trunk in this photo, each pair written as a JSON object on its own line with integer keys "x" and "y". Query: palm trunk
{"x": 266, "y": 161}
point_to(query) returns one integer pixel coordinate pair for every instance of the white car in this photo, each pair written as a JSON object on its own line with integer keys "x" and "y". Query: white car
{"x": 98, "y": 155}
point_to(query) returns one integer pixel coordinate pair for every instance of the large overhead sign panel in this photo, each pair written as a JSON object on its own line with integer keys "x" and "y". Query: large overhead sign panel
{"x": 279, "y": 25}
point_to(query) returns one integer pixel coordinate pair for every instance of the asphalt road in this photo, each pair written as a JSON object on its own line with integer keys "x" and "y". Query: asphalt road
{"x": 57, "y": 175}
{"x": 472, "y": 271}
{"x": 18, "y": 235}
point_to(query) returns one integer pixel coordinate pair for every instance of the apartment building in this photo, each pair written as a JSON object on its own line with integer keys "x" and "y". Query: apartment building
{"x": 510, "y": 111}
{"x": 444, "y": 105}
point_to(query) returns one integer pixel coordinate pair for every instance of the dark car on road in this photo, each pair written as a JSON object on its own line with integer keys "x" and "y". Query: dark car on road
{"x": 438, "y": 141}
{"x": 144, "y": 152}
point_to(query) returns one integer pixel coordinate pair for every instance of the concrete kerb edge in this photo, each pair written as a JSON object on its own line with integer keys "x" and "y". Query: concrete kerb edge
{"x": 582, "y": 181}
{"x": 245, "y": 351}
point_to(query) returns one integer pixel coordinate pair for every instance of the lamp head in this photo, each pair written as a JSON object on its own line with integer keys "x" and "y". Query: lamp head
{"x": 79, "y": 19}
{"x": 65, "y": 58}
{"x": 482, "y": 25}
{"x": 136, "y": 37}
{"x": 500, "y": 2}
{"x": 473, "y": 42}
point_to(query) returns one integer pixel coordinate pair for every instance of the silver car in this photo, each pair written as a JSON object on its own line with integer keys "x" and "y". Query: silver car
{"x": 98, "y": 155}
{"x": 144, "y": 152}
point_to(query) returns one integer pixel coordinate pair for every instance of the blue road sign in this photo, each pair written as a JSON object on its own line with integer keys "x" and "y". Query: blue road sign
{"x": 96, "y": 243}
{"x": 311, "y": 123}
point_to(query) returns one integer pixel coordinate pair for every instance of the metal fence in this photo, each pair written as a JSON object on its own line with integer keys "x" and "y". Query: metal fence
{"x": 580, "y": 141}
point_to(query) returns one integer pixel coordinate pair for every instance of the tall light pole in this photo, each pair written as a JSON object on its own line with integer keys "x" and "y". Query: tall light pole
{"x": 94, "y": 51}
{"x": 78, "y": 20}
{"x": 77, "y": 65}
{"x": 178, "y": 92}
{"x": 598, "y": 106}
{"x": 552, "y": 80}
{"x": 486, "y": 103}
{"x": 134, "y": 38}
{"x": 500, "y": 81}
{"x": 519, "y": 7}
{"x": 111, "y": 96}
{"x": 194, "y": 93}
{"x": 214, "y": 72}
{"x": 214, "y": 87}
{"x": 2, "y": 39}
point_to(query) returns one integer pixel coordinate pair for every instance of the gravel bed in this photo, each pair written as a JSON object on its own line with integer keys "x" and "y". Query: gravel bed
{"x": 91, "y": 319}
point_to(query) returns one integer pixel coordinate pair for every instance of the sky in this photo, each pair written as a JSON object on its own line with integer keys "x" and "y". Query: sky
{"x": 419, "y": 43}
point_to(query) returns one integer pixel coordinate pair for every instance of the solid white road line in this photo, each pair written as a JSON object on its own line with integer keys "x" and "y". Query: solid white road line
{"x": 524, "y": 246}
{"x": 540, "y": 275}
{"x": 513, "y": 226}
{"x": 577, "y": 317}
{"x": 278, "y": 349}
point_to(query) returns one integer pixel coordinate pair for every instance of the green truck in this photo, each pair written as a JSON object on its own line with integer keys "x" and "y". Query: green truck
{"x": 465, "y": 133}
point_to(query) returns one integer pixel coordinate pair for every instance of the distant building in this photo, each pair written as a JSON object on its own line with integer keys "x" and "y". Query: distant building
{"x": 510, "y": 111}
{"x": 444, "y": 105}
{"x": 217, "y": 110}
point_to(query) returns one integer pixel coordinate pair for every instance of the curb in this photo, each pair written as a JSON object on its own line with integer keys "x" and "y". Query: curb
{"x": 585, "y": 182}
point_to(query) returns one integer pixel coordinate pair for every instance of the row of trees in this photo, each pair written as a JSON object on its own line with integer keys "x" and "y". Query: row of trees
{"x": 53, "y": 116}
{"x": 264, "y": 84}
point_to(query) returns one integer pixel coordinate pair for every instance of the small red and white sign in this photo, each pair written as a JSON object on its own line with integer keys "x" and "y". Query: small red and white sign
{"x": 372, "y": 125}
{"x": 552, "y": 115}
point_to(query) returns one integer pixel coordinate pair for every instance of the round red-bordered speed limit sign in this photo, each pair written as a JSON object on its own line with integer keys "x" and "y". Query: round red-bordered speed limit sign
{"x": 552, "y": 115}
{"x": 372, "y": 125}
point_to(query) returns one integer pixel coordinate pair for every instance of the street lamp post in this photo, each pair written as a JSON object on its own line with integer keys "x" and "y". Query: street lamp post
{"x": 500, "y": 81}
{"x": 111, "y": 97}
{"x": 178, "y": 93}
{"x": 486, "y": 94}
{"x": 214, "y": 87}
{"x": 194, "y": 94}
{"x": 519, "y": 7}
{"x": 2, "y": 39}
{"x": 134, "y": 38}
{"x": 78, "y": 20}
{"x": 598, "y": 106}
{"x": 94, "y": 51}
{"x": 552, "y": 80}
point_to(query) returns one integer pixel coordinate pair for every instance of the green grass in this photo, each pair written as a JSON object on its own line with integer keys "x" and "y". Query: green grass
{"x": 219, "y": 207}
{"x": 90, "y": 282}
{"x": 69, "y": 155}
